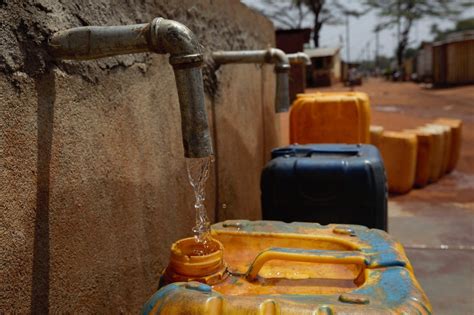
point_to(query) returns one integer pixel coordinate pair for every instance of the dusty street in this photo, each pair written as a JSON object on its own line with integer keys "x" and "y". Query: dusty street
{"x": 436, "y": 223}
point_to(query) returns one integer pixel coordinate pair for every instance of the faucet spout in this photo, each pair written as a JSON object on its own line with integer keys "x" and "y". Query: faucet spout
{"x": 272, "y": 55}
{"x": 299, "y": 57}
{"x": 161, "y": 36}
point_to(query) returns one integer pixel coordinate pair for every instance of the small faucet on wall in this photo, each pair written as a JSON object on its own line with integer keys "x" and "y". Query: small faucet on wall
{"x": 161, "y": 36}
{"x": 299, "y": 57}
{"x": 271, "y": 55}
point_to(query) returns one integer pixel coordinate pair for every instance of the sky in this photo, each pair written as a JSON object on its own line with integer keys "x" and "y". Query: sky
{"x": 362, "y": 37}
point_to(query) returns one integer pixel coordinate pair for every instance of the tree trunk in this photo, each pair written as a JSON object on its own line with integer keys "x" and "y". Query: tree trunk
{"x": 400, "y": 50}
{"x": 403, "y": 43}
{"x": 316, "y": 8}
{"x": 316, "y": 39}
{"x": 316, "y": 30}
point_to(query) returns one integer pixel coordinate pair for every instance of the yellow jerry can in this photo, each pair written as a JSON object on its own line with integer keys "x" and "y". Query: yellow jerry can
{"x": 375, "y": 134}
{"x": 329, "y": 118}
{"x": 365, "y": 116}
{"x": 364, "y": 110}
{"x": 425, "y": 152}
{"x": 398, "y": 151}
{"x": 456, "y": 139}
{"x": 270, "y": 267}
{"x": 436, "y": 161}
{"x": 446, "y": 148}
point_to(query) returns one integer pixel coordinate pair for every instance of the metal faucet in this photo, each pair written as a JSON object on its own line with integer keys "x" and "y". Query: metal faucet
{"x": 271, "y": 55}
{"x": 299, "y": 57}
{"x": 161, "y": 36}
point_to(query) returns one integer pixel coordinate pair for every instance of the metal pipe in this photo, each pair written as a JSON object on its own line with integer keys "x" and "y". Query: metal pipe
{"x": 161, "y": 36}
{"x": 299, "y": 57}
{"x": 271, "y": 55}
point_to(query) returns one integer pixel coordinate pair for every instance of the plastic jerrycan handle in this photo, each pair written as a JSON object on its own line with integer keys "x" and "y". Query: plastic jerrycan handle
{"x": 305, "y": 255}
{"x": 349, "y": 152}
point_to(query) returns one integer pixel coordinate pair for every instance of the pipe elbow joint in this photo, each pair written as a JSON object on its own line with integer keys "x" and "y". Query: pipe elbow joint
{"x": 174, "y": 38}
{"x": 300, "y": 57}
{"x": 160, "y": 36}
{"x": 306, "y": 59}
{"x": 279, "y": 58}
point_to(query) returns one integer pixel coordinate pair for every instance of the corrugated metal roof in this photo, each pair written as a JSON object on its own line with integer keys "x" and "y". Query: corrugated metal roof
{"x": 456, "y": 37}
{"x": 322, "y": 52}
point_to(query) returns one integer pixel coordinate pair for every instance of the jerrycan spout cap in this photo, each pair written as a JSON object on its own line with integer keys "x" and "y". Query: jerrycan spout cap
{"x": 191, "y": 261}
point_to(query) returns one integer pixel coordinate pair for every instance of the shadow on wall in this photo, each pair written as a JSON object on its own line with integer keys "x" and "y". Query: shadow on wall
{"x": 46, "y": 94}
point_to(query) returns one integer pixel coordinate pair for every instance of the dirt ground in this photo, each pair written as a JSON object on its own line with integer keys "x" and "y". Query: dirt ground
{"x": 436, "y": 223}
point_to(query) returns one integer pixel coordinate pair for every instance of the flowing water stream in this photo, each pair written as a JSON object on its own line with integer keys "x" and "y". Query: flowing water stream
{"x": 198, "y": 173}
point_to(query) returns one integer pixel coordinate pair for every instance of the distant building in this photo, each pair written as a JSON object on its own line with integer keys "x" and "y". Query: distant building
{"x": 424, "y": 62}
{"x": 453, "y": 59}
{"x": 291, "y": 41}
{"x": 326, "y": 68}
{"x": 345, "y": 67}
{"x": 408, "y": 69}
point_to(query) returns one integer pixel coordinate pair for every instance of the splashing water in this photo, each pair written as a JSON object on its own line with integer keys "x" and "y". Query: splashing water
{"x": 198, "y": 172}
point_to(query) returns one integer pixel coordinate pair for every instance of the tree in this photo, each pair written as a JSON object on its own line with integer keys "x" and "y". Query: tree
{"x": 403, "y": 13}
{"x": 324, "y": 12}
{"x": 292, "y": 14}
{"x": 285, "y": 14}
{"x": 461, "y": 25}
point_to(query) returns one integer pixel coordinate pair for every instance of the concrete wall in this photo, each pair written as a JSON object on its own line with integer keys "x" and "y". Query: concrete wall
{"x": 93, "y": 184}
{"x": 424, "y": 62}
{"x": 246, "y": 133}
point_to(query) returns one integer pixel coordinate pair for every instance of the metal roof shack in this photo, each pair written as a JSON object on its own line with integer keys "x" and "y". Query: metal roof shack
{"x": 322, "y": 52}
{"x": 453, "y": 59}
{"x": 291, "y": 41}
{"x": 326, "y": 66}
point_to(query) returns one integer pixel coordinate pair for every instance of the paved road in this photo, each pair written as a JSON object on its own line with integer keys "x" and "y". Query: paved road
{"x": 436, "y": 223}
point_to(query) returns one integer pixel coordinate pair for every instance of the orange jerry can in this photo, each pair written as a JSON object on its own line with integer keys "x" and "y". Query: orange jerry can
{"x": 456, "y": 139}
{"x": 329, "y": 118}
{"x": 271, "y": 267}
{"x": 376, "y": 133}
{"x": 446, "y": 147}
{"x": 425, "y": 152}
{"x": 364, "y": 110}
{"x": 399, "y": 153}
{"x": 436, "y": 161}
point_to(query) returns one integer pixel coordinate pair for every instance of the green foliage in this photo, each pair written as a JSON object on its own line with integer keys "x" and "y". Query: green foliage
{"x": 416, "y": 9}
{"x": 461, "y": 25}
{"x": 410, "y": 52}
{"x": 403, "y": 13}
{"x": 465, "y": 25}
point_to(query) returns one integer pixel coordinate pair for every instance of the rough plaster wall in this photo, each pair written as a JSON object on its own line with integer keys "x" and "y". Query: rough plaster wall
{"x": 239, "y": 143}
{"x": 247, "y": 132}
{"x": 272, "y": 120}
{"x": 93, "y": 186}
